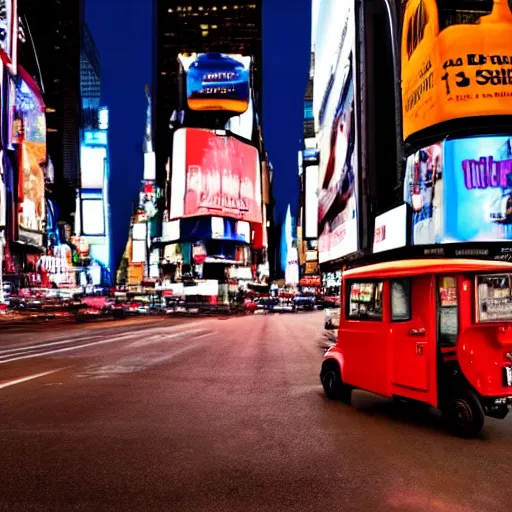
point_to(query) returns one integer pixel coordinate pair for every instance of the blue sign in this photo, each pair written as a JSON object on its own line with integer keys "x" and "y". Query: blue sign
{"x": 461, "y": 191}
{"x": 218, "y": 82}
{"x": 95, "y": 137}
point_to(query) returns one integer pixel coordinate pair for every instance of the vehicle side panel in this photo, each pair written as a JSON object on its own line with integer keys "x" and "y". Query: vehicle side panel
{"x": 365, "y": 348}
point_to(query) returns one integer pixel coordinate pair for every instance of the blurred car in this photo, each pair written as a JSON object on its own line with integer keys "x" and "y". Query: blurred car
{"x": 304, "y": 303}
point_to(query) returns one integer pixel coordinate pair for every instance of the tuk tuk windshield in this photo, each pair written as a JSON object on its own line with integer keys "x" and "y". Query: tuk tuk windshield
{"x": 494, "y": 298}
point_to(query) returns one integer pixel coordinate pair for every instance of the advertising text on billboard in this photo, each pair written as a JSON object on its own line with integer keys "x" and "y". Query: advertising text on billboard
{"x": 390, "y": 230}
{"x": 31, "y": 137}
{"x": 216, "y": 81}
{"x": 455, "y": 63}
{"x": 461, "y": 191}
{"x": 215, "y": 175}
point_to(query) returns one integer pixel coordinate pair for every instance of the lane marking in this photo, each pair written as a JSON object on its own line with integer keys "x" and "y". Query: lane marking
{"x": 68, "y": 349}
{"x": 21, "y": 348}
{"x": 125, "y": 368}
{"x": 164, "y": 337}
{"x": 20, "y": 380}
{"x": 204, "y": 335}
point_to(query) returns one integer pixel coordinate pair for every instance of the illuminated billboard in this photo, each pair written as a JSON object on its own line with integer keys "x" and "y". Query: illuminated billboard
{"x": 92, "y": 163}
{"x": 337, "y": 137}
{"x": 311, "y": 202}
{"x": 8, "y": 33}
{"x": 216, "y": 81}
{"x": 455, "y": 63}
{"x": 214, "y": 175}
{"x": 461, "y": 191}
{"x": 30, "y": 135}
{"x": 390, "y": 230}
{"x": 93, "y": 223}
{"x": 243, "y": 125}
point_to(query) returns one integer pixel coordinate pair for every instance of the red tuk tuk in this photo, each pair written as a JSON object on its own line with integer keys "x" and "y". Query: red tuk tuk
{"x": 432, "y": 331}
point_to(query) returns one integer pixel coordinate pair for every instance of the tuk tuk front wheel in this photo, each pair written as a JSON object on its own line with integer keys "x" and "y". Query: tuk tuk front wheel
{"x": 333, "y": 384}
{"x": 464, "y": 415}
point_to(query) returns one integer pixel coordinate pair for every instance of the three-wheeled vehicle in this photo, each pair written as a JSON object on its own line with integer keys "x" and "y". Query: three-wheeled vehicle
{"x": 437, "y": 331}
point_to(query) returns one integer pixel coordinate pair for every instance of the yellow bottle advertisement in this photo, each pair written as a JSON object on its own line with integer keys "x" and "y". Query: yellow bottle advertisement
{"x": 454, "y": 64}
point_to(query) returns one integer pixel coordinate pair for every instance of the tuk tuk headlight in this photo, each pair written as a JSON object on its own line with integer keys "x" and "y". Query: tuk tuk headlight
{"x": 508, "y": 355}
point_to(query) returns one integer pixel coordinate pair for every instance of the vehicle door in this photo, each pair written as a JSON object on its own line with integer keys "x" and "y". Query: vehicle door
{"x": 413, "y": 336}
{"x": 364, "y": 336}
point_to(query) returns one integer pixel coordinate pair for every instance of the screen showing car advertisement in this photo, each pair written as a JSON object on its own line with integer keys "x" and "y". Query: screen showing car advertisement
{"x": 31, "y": 139}
{"x": 216, "y": 81}
{"x": 456, "y": 61}
{"x": 461, "y": 191}
{"x": 338, "y": 168}
{"x": 215, "y": 175}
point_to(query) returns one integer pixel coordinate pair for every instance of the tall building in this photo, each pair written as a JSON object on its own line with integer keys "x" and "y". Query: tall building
{"x": 52, "y": 31}
{"x": 227, "y": 26}
{"x": 207, "y": 118}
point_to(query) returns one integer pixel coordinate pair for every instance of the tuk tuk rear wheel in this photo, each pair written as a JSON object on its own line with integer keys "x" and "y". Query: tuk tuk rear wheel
{"x": 333, "y": 385}
{"x": 464, "y": 415}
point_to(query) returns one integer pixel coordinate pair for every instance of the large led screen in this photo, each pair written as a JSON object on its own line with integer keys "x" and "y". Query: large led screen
{"x": 92, "y": 163}
{"x": 214, "y": 175}
{"x": 31, "y": 138}
{"x": 456, "y": 61}
{"x": 216, "y": 81}
{"x": 311, "y": 202}
{"x": 93, "y": 223}
{"x": 8, "y": 32}
{"x": 338, "y": 169}
{"x": 461, "y": 191}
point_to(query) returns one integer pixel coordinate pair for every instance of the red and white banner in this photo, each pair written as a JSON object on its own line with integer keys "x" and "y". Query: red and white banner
{"x": 215, "y": 175}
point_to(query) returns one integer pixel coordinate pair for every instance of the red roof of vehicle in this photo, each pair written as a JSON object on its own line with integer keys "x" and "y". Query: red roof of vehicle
{"x": 403, "y": 268}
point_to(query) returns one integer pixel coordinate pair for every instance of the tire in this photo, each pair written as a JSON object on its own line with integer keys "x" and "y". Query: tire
{"x": 333, "y": 384}
{"x": 464, "y": 415}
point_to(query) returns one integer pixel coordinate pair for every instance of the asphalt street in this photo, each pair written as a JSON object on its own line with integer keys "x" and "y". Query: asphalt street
{"x": 220, "y": 415}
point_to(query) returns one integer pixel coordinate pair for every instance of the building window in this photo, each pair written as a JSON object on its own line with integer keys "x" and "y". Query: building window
{"x": 365, "y": 301}
{"x": 400, "y": 300}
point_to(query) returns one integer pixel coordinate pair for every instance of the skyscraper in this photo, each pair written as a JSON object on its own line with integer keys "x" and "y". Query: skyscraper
{"x": 227, "y": 26}
{"x": 52, "y": 31}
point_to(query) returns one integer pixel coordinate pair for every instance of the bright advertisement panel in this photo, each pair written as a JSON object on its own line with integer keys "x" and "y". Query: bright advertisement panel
{"x": 423, "y": 190}
{"x": 390, "y": 230}
{"x": 311, "y": 202}
{"x": 138, "y": 251}
{"x": 214, "y": 175}
{"x": 461, "y": 191}
{"x": 216, "y": 81}
{"x": 93, "y": 217}
{"x": 139, "y": 231}
{"x": 243, "y": 125}
{"x": 292, "y": 267}
{"x": 8, "y": 33}
{"x": 337, "y": 137}
{"x": 455, "y": 63}
{"x": 31, "y": 137}
{"x": 92, "y": 163}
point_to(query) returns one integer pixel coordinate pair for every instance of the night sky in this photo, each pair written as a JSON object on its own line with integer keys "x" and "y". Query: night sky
{"x": 124, "y": 40}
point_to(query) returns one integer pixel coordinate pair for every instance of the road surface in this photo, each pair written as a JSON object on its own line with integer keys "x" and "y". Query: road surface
{"x": 220, "y": 415}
